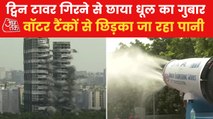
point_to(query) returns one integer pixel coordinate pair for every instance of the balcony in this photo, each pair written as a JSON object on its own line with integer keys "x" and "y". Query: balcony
{"x": 37, "y": 50}
{"x": 42, "y": 108}
{"x": 38, "y": 99}
{"x": 42, "y": 87}
{"x": 61, "y": 71}
{"x": 43, "y": 50}
{"x": 42, "y": 71}
{"x": 39, "y": 82}
{"x": 62, "y": 50}
{"x": 42, "y": 60}
{"x": 44, "y": 66}
{"x": 43, "y": 45}
{"x": 37, "y": 71}
{"x": 62, "y": 61}
{"x": 38, "y": 92}
{"x": 42, "y": 76}
{"x": 66, "y": 64}
{"x": 43, "y": 55}
{"x": 66, "y": 56}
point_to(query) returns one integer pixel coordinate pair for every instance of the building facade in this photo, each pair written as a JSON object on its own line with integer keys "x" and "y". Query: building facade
{"x": 91, "y": 98}
{"x": 17, "y": 76}
{"x": 61, "y": 63}
{"x": 90, "y": 90}
{"x": 2, "y": 73}
{"x": 97, "y": 99}
{"x": 36, "y": 73}
{"x": 46, "y": 74}
{"x": 61, "y": 60}
{"x": 9, "y": 100}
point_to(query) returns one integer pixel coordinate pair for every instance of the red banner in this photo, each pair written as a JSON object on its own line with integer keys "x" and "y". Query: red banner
{"x": 132, "y": 18}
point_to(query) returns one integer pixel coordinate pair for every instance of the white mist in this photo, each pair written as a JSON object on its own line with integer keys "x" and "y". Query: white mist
{"x": 132, "y": 73}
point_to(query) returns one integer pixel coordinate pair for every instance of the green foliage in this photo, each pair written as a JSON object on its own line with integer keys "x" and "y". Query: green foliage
{"x": 203, "y": 47}
{"x": 159, "y": 45}
{"x": 124, "y": 106}
{"x": 137, "y": 44}
{"x": 168, "y": 101}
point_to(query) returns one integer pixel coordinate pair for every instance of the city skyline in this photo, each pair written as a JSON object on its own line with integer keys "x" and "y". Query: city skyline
{"x": 90, "y": 54}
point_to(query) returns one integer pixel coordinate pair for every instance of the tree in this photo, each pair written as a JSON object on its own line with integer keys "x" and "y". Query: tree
{"x": 168, "y": 101}
{"x": 203, "y": 47}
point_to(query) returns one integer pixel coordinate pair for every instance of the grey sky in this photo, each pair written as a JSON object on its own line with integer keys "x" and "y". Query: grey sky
{"x": 91, "y": 54}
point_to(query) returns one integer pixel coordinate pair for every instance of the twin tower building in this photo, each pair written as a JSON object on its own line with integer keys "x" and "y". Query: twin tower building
{"x": 43, "y": 66}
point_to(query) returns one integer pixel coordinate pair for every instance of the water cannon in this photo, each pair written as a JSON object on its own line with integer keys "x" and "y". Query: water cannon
{"x": 193, "y": 77}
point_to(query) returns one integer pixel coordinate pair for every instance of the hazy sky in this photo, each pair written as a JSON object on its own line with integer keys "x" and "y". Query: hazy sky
{"x": 91, "y": 55}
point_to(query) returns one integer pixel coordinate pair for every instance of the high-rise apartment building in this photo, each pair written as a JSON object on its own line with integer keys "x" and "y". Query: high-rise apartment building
{"x": 17, "y": 76}
{"x": 97, "y": 99}
{"x": 45, "y": 74}
{"x": 2, "y": 73}
{"x": 61, "y": 63}
{"x": 61, "y": 60}
{"x": 90, "y": 97}
{"x": 9, "y": 100}
{"x": 36, "y": 73}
